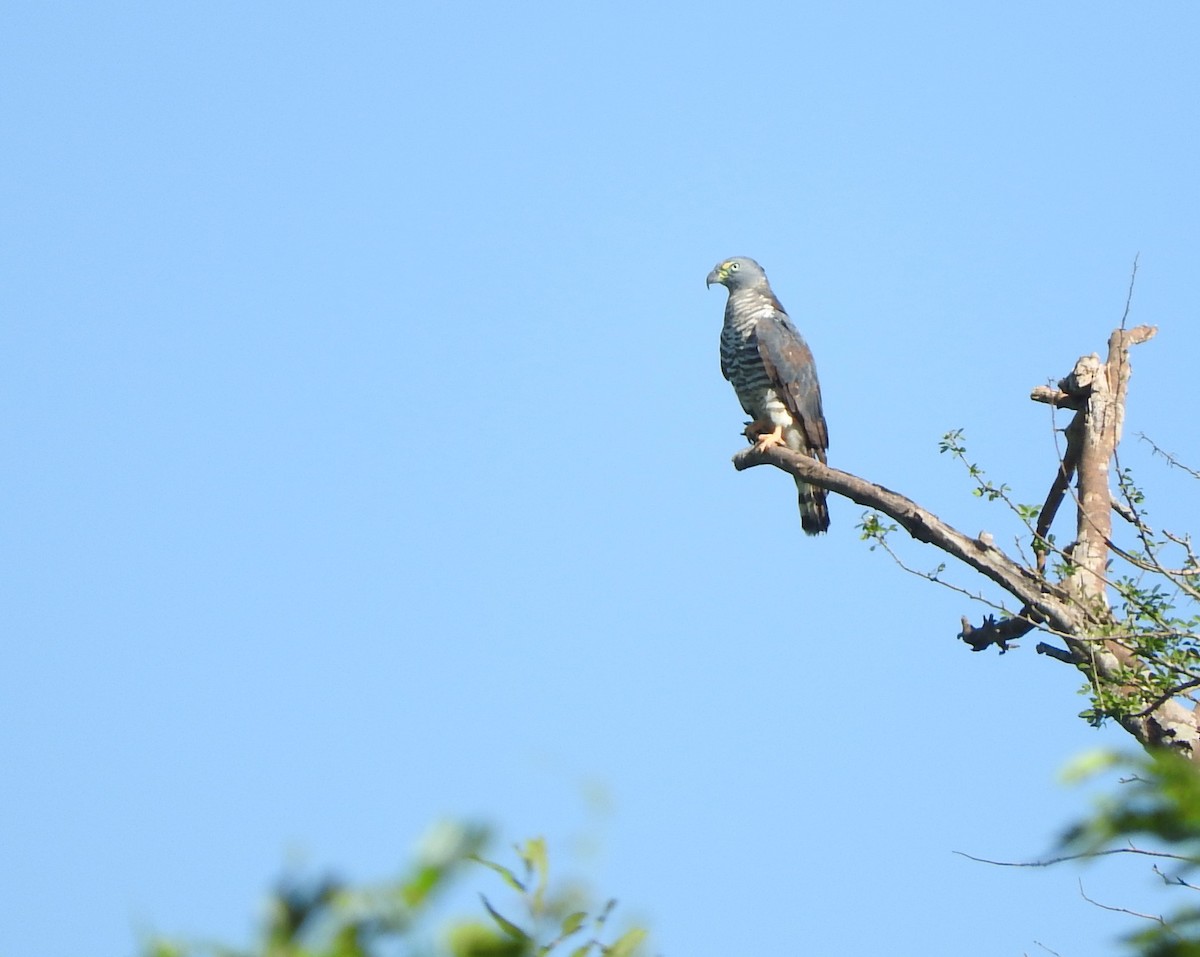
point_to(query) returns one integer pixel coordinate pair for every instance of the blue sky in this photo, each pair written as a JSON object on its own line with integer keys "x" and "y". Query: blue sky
{"x": 368, "y": 457}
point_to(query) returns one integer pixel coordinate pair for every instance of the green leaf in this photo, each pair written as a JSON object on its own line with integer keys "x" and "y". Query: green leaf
{"x": 627, "y": 944}
{"x": 473, "y": 939}
{"x": 572, "y": 922}
{"x": 534, "y": 855}
{"x": 418, "y": 887}
{"x": 509, "y": 877}
{"x": 504, "y": 923}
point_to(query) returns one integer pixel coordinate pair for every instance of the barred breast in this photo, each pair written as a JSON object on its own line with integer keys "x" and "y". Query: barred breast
{"x": 741, "y": 359}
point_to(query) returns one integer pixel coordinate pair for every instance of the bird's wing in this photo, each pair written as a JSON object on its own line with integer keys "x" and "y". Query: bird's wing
{"x": 793, "y": 374}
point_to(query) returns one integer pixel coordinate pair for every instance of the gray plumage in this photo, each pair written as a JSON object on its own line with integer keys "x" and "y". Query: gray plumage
{"x": 773, "y": 373}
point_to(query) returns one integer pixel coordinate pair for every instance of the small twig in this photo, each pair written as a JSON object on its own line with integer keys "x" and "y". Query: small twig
{"x": 1173, "y": 879}
{"x": 1157, "y": 918}
{"x": 935, "y": 577}
{"x": 1129, "y": 294}
{"x": 1085, "y": 855}
{"x": 1192, "y": 564}
{"x": 1173, "y": 693}
{"x": 1151, "y": 563}
{"x": 1171, "y": 459}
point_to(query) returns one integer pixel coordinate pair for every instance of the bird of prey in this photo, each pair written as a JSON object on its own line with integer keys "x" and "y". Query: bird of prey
{"x": 773, "y": 373}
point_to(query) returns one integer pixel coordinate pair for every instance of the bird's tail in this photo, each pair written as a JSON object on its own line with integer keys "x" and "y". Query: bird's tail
{"x": 814, "y": 512}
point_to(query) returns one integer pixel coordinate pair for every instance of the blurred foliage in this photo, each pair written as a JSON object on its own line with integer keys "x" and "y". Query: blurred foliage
{"x": 1155, "y": 814}
{"x": 328, "y": 918}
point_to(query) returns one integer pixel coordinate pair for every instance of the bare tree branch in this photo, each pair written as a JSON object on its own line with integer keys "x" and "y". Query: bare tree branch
{"x": 1171, "y": 459}
{"x": 1173, "y": 879}
{"x": 1056, "y": 398}
{"x": 1129, "y": 292}
{"x": 1059, "y": 654}
{"x": 1084, "y": 856}
{"x": 1156, "y": 918}
{"x": 1076, "y": 608}
{"x": 1058, "y": 489}
{"x": 1020, "y": 582}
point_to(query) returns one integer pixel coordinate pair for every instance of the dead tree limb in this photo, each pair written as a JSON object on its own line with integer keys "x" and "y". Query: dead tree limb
{"x": 1022, "y": 583}
{"x": 1077, "y": 607}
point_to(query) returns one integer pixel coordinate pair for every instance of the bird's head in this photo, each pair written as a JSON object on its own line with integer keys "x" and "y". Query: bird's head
{"x": 739, "y": 272}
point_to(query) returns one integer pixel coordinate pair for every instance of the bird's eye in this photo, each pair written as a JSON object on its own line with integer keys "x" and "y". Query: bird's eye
{"x": 733, "y": 267}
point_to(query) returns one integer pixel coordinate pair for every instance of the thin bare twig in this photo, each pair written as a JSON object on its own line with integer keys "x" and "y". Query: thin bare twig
{"x": 1171, "y": 459}
{"x": 1129, "y": 294}
{"x": 1173, "y": 879}
{"x": 935, "y": 577}
{"x": 1085, "y": 855}
{"x": 1156, "y": 918}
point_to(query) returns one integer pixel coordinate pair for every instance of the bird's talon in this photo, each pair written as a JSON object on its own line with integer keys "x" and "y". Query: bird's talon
{"x": 754, "y": 430}
{"x": 769, "y": 439}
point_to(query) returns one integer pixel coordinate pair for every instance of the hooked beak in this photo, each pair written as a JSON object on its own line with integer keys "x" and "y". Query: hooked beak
{"x": 714, "y": 276}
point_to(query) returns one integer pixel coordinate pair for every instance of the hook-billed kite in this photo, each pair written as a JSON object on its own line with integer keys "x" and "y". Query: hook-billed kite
{"x": 773, "y": 373}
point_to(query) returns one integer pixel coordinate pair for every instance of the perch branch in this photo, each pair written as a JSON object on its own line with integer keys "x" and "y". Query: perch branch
{"x": 1020, "y": 582}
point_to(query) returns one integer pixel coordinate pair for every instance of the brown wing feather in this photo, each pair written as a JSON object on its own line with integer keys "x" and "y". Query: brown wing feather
{"x": 793, "y": 373}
